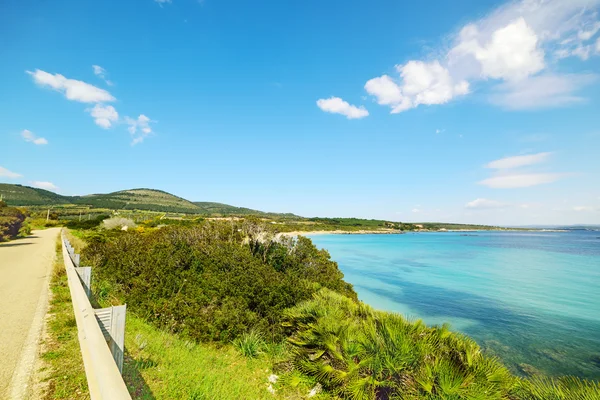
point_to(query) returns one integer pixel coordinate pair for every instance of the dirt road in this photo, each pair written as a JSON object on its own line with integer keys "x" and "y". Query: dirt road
{"x": 25, "y": 267}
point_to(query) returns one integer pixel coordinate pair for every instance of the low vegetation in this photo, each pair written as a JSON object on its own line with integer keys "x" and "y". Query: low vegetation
{"x": 213, "y": 281}
{"x": 162, "y": 365}
{"x": 358, "y": 353}
{"x": 282, "y": 306}
{"x": 63, "y": 366}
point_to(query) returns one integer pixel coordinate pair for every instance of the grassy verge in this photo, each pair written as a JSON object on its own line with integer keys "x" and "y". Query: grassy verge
{"x": 61, "y": 355}
{"x": 164, "y": 366}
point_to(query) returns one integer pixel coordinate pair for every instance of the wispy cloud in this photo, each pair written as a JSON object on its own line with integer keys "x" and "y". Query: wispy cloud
{"x": 104, "y": 116}
{"x": 44, "y": 185}
{"x": 519, "y": 161}
{"x": 485, "y": 204}
{"x": 29, "y": 136}
{"x": 509, "y": 176}
{"x": 5, "y": 173}
{"x": 72, "y": 89}
{"x": 102, "y": 74}
{"x": 139, "y": 128}
{"x": 520, "y": 180}
{"x": 161, "y": 2}
{"x": 336, "y": 105}
{"x": 544, "y": 91}
{"x": 585, "y": 209}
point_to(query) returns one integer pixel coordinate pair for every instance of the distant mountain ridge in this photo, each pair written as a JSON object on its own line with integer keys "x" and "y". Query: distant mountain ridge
{"x": 132, "y": 199}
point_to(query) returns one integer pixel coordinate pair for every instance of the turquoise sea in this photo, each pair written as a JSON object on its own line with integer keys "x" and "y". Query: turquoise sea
{"x": 531, "y": 298}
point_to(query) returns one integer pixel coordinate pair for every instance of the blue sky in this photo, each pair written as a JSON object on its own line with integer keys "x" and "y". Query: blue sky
{"x": 481, "y": 112}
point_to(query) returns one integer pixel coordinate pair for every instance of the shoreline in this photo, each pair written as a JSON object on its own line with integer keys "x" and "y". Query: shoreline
{"x": 396, "y": 232}
{"x": 340, "y": 232}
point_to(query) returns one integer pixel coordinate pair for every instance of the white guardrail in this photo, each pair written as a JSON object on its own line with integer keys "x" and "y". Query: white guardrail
{"x": 101, "y": 333}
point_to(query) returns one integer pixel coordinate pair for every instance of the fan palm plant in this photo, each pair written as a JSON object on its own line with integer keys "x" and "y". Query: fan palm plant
{"x": 358, "y": 353}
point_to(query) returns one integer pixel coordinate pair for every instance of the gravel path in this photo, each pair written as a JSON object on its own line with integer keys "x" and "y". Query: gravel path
{"x": 25, "y": 266}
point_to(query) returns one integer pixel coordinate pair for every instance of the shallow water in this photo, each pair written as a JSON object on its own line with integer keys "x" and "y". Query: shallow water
{"x": 531, "y": 298}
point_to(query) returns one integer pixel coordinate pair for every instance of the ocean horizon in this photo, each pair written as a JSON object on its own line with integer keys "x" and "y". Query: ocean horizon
{"x": 530, "y": 298}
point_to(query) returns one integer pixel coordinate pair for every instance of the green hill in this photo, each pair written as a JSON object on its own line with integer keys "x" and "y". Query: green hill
{"x": 211, "y": 208}
{"x": 138, "y": 199}
{"x": 134, "y": 199}
{"x": 18, "y": 195}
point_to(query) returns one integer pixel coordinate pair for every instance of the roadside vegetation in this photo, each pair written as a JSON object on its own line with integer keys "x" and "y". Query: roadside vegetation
{"x": 222, "y": 300}
{"x": 61, "y": 356}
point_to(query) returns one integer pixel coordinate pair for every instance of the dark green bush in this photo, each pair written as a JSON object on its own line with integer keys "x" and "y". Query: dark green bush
{"x": 213, "y": 281}
{"x": 11, "y": 222}
{"x": 87, "y": 223}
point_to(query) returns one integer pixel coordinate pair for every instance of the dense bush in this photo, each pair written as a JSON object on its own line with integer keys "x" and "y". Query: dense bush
{"x": 358, "y": 353}
{"x": 87, "y": 223}
{"x": 11, "y": 222}
{"x": 213, "y": 281}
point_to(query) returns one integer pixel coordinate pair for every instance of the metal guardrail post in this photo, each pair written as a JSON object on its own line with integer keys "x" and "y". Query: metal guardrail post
{"x": 85, "y": 275}
{"x": 112, "y": 324}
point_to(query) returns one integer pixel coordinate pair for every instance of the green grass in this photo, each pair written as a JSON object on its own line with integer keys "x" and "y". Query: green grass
{"x": 165, "y": 366}
{"x": 61, "y": 354}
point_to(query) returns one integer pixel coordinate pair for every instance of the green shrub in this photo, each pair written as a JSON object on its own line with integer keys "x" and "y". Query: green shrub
{"x": 87, "y": 223}
{"x": 212, "y": 281}
{"x": 11, "y": 222}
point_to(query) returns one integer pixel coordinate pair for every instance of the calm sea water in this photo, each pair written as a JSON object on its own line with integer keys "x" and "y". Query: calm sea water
{"x": 531, "y": 298}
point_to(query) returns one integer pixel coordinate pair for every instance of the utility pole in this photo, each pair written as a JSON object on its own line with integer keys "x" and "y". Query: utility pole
{"x": 48, "y": 215}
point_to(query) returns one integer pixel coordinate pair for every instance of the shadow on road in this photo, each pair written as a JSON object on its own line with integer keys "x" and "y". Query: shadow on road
{"x": 11, "y": 244}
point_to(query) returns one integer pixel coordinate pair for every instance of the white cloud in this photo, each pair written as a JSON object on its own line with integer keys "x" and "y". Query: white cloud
{"x": 104, "y": 116}
{"x": 416, "y": 210}
{"x": 511, "y": 53}
{"x": 101, "y": 73}
{"x": 385, "y": 90}
{"x": 587, "y": 34}
{"x": 485, "y": 204}
{"x": 44, "y": 185}
{"x": 161, "y": 2}
{"x": 31, "y": 137}
{"x": 336, "y": 105}
{"x": 422, "y": 83}
{"x": 541, "y": 91}
{"x": 584, "y": 208}
{"x": 519, "y": 161}
{"x": 139, "y": 128}
{"x": 520, "y": 180}
{"x": 506, "y": 48}
{"x": 440, "y": 130}
{"x": 72, "y": 89}
{"x": 4, "y": 173}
